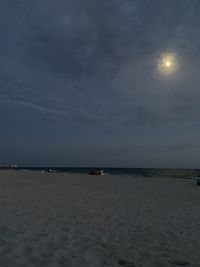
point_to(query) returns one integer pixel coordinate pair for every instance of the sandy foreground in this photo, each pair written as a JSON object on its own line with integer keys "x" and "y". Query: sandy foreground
{"x": 49, "y": 219}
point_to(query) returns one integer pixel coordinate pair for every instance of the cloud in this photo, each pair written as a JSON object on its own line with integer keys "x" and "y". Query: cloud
{"x": 92, "y": 64}
{"x": 37, "y": 107}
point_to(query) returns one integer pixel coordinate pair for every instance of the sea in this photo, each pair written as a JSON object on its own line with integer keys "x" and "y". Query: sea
{"x": 131, "y": 172}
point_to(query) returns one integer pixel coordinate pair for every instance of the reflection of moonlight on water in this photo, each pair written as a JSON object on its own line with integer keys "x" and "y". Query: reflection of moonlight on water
{"x": 167, "y": 63}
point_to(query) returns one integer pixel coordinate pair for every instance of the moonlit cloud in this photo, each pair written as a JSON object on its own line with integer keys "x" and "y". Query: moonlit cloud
{"x": 168, "y": 63}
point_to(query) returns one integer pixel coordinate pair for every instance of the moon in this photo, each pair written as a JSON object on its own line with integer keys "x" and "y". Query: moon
{"x": 167, "y": 63}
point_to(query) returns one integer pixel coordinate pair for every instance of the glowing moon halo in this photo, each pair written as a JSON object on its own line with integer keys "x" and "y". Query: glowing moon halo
{"x": 167, "y": 63}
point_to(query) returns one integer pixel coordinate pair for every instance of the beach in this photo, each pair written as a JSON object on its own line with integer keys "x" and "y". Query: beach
{"x": 63, "y": 219}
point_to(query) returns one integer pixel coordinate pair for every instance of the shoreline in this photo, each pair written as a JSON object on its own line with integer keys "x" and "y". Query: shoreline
{"x": 54, "y": 171}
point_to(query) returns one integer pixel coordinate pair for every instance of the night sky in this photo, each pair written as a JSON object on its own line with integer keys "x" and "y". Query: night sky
{"x": 100, "y": 83}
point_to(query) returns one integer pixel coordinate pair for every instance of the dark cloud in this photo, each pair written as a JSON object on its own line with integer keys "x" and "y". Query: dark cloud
{"x": 82, "y": 75}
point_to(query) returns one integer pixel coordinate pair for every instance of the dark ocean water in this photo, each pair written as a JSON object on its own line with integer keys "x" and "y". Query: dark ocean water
{"x": 134, "y": 172}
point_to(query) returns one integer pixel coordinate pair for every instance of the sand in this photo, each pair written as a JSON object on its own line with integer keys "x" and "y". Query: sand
{"x": 49, "y": 219}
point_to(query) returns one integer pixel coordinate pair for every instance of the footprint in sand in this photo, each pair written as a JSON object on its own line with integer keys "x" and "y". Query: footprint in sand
{"x": 126, "y": 263}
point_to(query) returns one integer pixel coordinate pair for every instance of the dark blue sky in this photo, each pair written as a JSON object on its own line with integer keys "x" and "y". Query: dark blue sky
{"x": 80, "y": 85}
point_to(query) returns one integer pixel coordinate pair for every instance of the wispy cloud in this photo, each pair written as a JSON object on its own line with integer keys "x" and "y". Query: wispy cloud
{"x": 36, "y": 107}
